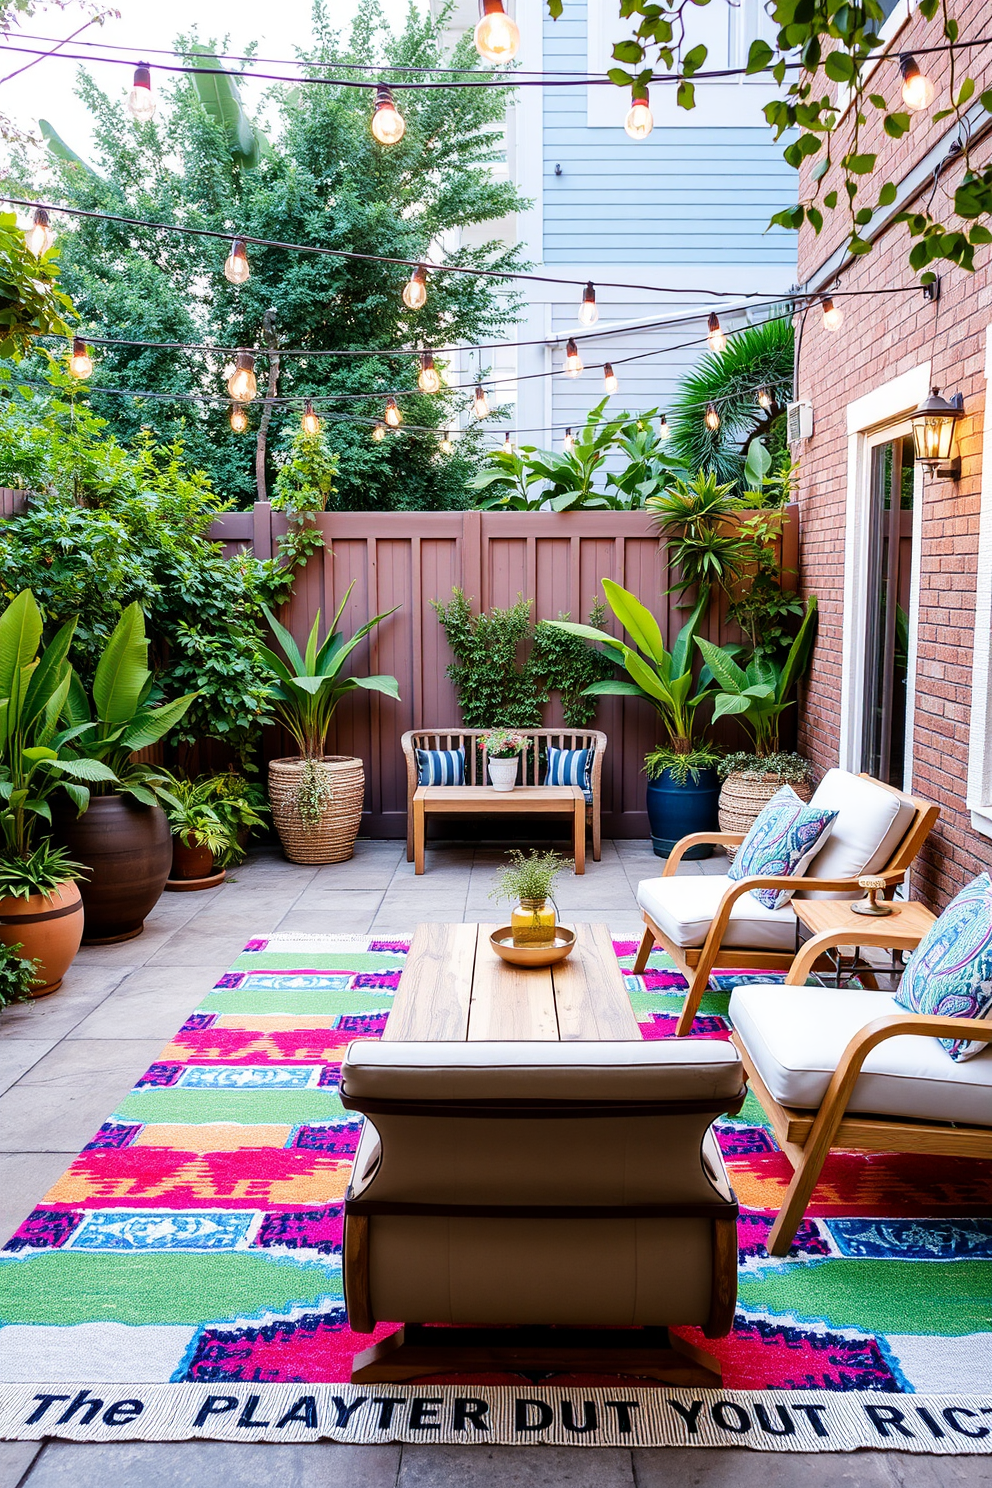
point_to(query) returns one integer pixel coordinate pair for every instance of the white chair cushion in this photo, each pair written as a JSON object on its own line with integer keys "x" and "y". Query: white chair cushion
{"x": 684, "y": 907}
{"x": 796, "y": 1036}
{"x": 870, "y": 824}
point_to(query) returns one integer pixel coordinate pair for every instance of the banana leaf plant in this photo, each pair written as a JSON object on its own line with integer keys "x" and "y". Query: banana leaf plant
{"x": 34, "y": 759}
{"x": 306, "y": 692}
{"x": 661, "y": 677}
{"x": 758, "y": 693}
{"x": 119, "y": 720}
{"x": 529, "y": 479}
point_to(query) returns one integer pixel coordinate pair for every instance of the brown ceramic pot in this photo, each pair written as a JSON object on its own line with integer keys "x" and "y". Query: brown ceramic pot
{"x": 128, "y": 849}
{"x": 49, "y": 928}
{"x": 191, "y": 862}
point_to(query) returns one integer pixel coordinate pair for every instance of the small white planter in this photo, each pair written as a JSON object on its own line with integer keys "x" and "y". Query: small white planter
{"x": 503, "y": 773}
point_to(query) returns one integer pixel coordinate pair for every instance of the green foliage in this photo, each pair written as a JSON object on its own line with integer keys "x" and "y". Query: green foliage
{"x": 17, "y": 975}
{"x": 758, "y": 693}
{"x": 31, "y": 304}
{"x": 692, "y": 517}
{"x": 765, "y": 611}
{"x": 529, "y": 875}
{"x": 680, "y": 766}
{"x": 569, "y": 667}
{"x": 43, "y": 870}
{"x": 304, "y": 485}
{"x": 212, "y": 810}
{"x": 241, "y": 806}
{"x": 314, "y": 793}
{"x": 503, "y": 744}
{"x": 792, "y": 769}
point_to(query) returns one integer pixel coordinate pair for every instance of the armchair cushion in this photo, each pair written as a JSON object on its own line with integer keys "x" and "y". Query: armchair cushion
{"x": 684, "y": 907}
{"x": 797, "y": 1035}
{"x": 950, "y": 973}
{"x": 782, "y": 840}
{"x": 871, "y": 822}
{"x": 440, "y": 767}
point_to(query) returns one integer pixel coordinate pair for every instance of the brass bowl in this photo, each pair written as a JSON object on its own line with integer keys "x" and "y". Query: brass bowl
{"x": 501, "y": 941}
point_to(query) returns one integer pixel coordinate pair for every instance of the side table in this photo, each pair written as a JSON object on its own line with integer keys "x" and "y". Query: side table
{"x": 833, "y": 923}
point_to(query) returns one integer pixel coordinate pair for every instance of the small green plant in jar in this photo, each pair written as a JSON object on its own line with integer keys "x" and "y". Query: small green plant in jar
{"x": 527, "y": 881}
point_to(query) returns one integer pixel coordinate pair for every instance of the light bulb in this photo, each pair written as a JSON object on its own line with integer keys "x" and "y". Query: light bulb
{"x": 833, "y": 318}
{"x": 573, "y": 362}
{"x": 238, "y": 419}
{"x": 446, "y": 447}
{"x": 508, "y": 444}
{"x": 415, "y": 289}
{"x": 588, "y": 310}
{"x": 480, "y": 404}
{"x": 496, "y": 36}
{"x": 388, "y": 124}
{"x": 236, "y": 270}
{"x": 392, "y": 415}
{"x": 141, "y": 99}
{"x": 241, "y": 384}
{"x": 378, "y": 430}
{"x": 717, "y": 340}
{"x": 917, "y": 89}
{"x": 39, "y": 236}
{"x": 428, "y": 381}
{"x": 610, "y": 381}
{"x": 310, "y": 422}
{"x": 664, "y": 432}
{"x": 640, "y": 120}
{"x": 765, "y": 399}
{"x": 712, "y": 418}
{"x": 568, "y": 443}
{"x": 80, "y": 363}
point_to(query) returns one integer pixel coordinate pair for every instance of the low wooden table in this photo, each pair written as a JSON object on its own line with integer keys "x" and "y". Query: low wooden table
{"x": 461, "y": 800}
{"x": 833, "y": 923}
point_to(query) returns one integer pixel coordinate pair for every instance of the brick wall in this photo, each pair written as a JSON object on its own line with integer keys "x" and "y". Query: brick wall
{"x": 882, "y": 336}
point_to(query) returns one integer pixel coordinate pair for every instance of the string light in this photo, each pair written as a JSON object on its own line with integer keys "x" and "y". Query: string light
{"x": 714, "y": 336}
{"x": 236, "y": 270}
{"x": 833, "y": 318}
{"x": 415, "y": 289}
{"x": 80, "y": 362}
{"x": 711, "y": 418}
{"x": 917, "y": 89}
{"x": 765, "y": 399}
{"x": 446, "y": 447}
{"x": 568, "y": 443}
{"x": 640, "y": 120}
{"x": 610, "y": 380}
{"x": 428, "y": 380}
{"x": 388, "y": 124}
{"x": 310, "y": 423}
{"x": 378, "y": 430}
{"x": 392, "y": 415}
{"x": 589, "y": 310}
{"x": 496, "y": 36}
{"x": 39, "y": 236}
{"x": 241, "y": 384}
{"x": 141, "y": 99}
{"x": 664, "y": 432}
{"x": 573, "y": 362}
{"x": 237, "y": 418}
{"x": 480, "y": 404}
{"x": 508, "y": 444}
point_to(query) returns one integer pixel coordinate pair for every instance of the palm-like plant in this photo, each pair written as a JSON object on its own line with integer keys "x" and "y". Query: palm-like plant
{"x": 758, "y": 693}
{"x": 691, "y": 516}
{"x": 306, "y": 692}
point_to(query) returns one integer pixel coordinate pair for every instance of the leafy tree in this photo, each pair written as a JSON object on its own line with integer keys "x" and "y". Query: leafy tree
{"x": 322, "y": 180}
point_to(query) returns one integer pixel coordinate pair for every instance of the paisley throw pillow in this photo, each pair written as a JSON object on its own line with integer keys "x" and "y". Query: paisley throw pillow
{"x": 781, "y": 841}
{"x": 950, "y": 973}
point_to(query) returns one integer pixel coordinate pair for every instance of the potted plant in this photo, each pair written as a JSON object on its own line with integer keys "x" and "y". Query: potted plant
{"x": 527, "y": 881}
{"x": 199, "y": 837}
{"x": 316, "y": 798}
{"x": 503, "y": 749}
{"x": 19, "y": 980}
{"x": 240, "y": 805}
{"x": 121, "y": 832}
{"x": 682, "y": 789}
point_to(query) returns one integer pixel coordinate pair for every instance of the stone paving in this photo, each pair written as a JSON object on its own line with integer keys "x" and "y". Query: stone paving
{"x": 66, "y": 1061}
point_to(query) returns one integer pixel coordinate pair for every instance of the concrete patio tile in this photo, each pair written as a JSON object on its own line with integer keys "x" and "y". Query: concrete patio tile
{"x": 52, "y": 1017}
{"x": 67, "y": 1095}
{"x": 15, "y": 1459}
{"x": 723, "y": 1467}
{"x": 190, "y": 947}
{"x": 17, "y": 1055}
{"x": 125, "y": 955}
{"x": 339, "y": 913}
{"x": 192, "y": 1464}
{"x": 25, "y": 1178}
{"x": 151, "y": 1003}
{"x": 515, "y": 1467}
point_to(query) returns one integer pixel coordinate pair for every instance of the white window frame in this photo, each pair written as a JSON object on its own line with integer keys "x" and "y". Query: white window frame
{"x": 979, "y": 797}
{"x": 876, "y": 418}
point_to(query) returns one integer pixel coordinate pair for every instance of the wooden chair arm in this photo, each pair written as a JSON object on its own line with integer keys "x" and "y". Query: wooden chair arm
{"x": 883, "y": 934}
{"x": 696, "y": 839}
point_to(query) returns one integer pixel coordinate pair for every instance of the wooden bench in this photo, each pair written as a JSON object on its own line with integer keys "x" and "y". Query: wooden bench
{"x": 532, "y": 768}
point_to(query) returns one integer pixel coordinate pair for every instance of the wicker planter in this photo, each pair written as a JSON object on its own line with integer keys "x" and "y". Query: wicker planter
{"x": 332, "y": 839}
{"x": 743, "y": 796}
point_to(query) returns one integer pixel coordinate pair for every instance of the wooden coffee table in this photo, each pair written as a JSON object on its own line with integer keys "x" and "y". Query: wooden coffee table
{"x": 523, "y": 800}
{"x": 454, "y": 987}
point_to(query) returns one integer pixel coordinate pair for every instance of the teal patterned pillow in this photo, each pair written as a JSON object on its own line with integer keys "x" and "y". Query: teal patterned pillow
{"x": 950, "y": 974}
{"x": 781, "y": 842}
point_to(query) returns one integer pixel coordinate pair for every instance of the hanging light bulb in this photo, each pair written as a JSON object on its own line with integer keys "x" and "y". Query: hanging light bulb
{"x": 610, "y": 380}
{"x": 388, "y": 124}
{"x": 765, "y": 399}
{"x": 80, "y": 363}
{"x": 429, "y": 380}
{"x": 589, "y": 310}
{"x": 415, "y": 289}
{"x": 917, "y": 89}
{"x": 568, "y": 443}
{"x": 39, "y": 236}
{"x": 141, "y": 99}
{"x": 496, "y": 36}
{"x": 711, "y": 418}
{"x": 507, "y": 444}
{"x": 241, "y": 384}
{"x": 378, "y": 431}
{"x": 833, "y": 318}
{"x": 237, "y": 418}
{"x": 392, "y": 415}
{"x": 573, "y": 362}
{"x": 664, "y": 432}
{"x": 236, "y": 270}
{"x": 480, "y": 404}
{"x": 310, "y": 422}
{"x": 640, "y": 120}
{"x": 446, "y": 447}
{"x": 717, "y": 340}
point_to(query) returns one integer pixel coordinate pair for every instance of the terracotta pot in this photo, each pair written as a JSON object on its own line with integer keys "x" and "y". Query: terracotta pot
{"x": 128, "y": 848}
{"x": 191, "y": 862}
{"x": 332, "y": 839}
{"x": 48, "y": 928}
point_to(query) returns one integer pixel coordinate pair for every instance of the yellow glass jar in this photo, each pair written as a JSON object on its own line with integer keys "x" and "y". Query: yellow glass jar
{"x": 533, "y": 923}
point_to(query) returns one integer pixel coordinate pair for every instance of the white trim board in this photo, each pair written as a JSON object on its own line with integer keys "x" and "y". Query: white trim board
{"x": 979, "y": 797}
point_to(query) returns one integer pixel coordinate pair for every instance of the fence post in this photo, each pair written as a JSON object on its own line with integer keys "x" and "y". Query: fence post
{"x": 261, "y": 528}
{"x": 472, "y": 557}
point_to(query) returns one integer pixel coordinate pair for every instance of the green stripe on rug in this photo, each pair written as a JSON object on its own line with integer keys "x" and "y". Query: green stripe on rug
{"x": 290, "y": 1001}
{"x": 350, "y": 961}
{"x": 951, "y": 1297}
{"x": 246, "y": 1107}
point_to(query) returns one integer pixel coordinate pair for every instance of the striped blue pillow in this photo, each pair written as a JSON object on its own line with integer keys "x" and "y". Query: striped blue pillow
{"x": 570, "y": 767}
{"x": 440, "y": 767}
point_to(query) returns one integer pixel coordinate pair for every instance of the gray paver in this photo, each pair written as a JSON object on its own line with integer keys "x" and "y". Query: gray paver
{"x": 192, "y": 1464}
{"x": 67, "y": 1095}
{"x": 25, "y": 1178}
{"x": 726, "y": 1467}
{"x": 15, "y": 1459}
{"x": 515, "y": 1467}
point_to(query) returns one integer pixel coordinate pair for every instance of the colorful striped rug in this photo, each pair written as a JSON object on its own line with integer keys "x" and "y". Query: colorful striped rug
{"x": 196, "y": 1242}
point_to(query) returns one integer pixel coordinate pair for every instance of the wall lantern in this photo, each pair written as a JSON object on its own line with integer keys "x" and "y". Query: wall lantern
{"x": 933, "y": 434}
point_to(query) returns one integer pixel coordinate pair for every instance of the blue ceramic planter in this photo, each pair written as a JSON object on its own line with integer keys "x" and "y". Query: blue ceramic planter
{"x": 676, "y": 810}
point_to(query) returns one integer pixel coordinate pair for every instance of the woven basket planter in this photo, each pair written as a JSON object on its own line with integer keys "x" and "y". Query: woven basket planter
{"x": 332, "y": 839}
{"x": 743, "y": 796}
